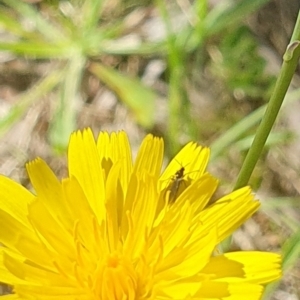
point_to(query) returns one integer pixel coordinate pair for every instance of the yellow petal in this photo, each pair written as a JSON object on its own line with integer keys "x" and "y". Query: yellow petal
{"x": 51, "y": 293}
{"x": 85, "y": 166}
{"x": 11, "y": 297}
{"x": 27, "y": 273}
{"x": 192, "y": 157}
{"x": 198, "y": 193}
{"x": 188, "y": 260}
{"x": 54, "y": 236}
{"x": 114, "y": 204}
{"x": 115, "y": 148}
{"x": 48, "y": 190}
{"x": 220, "y": 290}
{"x": 16, "y": 236}
{"x": 150, "y": 156}
{"x": 142, "y": 213}
{"x": 6, "y": 276}
{"x": 230, "y": 212}
{"x": 258, "y": 267}
{"x": 15, "y": 199}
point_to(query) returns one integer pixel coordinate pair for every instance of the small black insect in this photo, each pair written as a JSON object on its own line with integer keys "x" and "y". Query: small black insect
{"x": 175, "y": 184}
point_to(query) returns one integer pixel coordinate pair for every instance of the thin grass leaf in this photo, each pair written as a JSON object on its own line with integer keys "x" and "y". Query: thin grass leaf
{"x": 291, "y": 251}
{"x": 9, "y": 24}
{"x": 235, "y": 132}
{"x": 274, "y": 139}
{"x": 139, "y": 98}
{"x": 290, "y": 254}
{"x": 273, "y": 209}
{"x": 27, "y": 99}
{"x": 226, "y": 13}
{"x": 179, "y": 104}
{"x": 91, "y": 12}
{"x": 48, "y": 30}
{"x": 64, "y": 121}
{"x": 37, "y": 50}
{"x": 281, "y": 202}
{"x": 114, "y": 47}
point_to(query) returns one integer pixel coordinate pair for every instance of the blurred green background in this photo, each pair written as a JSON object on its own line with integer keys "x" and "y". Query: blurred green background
{"x": 184, "y": 70}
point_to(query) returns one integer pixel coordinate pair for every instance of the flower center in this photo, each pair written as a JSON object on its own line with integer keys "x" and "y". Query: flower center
{"x": 116, "y": 279}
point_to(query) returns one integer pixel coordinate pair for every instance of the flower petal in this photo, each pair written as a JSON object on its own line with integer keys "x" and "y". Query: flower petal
{"x": 114, "y": 148}
{"x": 192, "y": 157}
{"x": 48, "y": 190}
{"x": 211, "y": 290}
{"x": 230, "y": 212}
{"x": 21, "y": 239}
{"x": 15, "y": 199}
{"x": 198, "y": 193}
{"x": 85, "y": 166}
{"x": 259, "y": 267}
{"x": 150, "y": 156}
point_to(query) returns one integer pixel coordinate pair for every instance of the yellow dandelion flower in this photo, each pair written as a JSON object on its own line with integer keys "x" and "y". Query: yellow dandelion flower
{"x": 117, "y": 230}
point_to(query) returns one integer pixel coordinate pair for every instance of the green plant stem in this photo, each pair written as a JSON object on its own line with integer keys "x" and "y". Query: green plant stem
{"x": 289, "y": 65}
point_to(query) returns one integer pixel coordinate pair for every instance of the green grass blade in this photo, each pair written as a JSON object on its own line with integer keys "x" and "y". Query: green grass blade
{"x": 64, "y": 121}
{"x": 91, "y": 11}
{"x": 48, "y": 30}
{"x": 37, "y": 50}
{"x": 291, "y": 251}
{"x": 179, "y": 104}
{"x": 115, "y": 48}
{"x": 8, "y": 22}
{"x": 273, "y": 208}
{"x": 28, "y": 98}
{"x": 226, "y": 13}
{"x": 290, "y": 255}
{"x": 235, "y": 132}
{"x": 274, "y": 139}
{"x": 139, "y": 98}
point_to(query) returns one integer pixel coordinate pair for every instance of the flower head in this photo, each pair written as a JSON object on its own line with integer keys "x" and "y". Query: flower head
{"x": 116, "y": 230}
